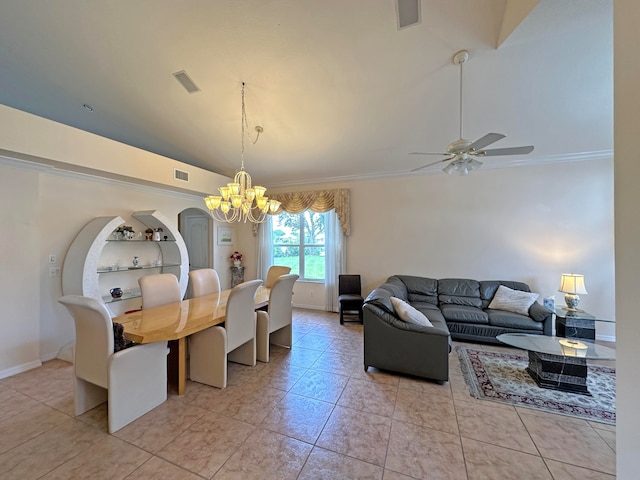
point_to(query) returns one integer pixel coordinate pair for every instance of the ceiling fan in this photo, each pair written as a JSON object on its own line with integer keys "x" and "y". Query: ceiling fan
{"x": 462, "y": 154}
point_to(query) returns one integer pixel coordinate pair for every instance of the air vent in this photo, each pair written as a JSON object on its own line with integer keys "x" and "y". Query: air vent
{"x": 408, "y": 13}
{"x": 180, "y": 175}
{"x": 186, "y": 82}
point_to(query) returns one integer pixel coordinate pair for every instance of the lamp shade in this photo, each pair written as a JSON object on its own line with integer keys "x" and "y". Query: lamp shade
{"x": 572, "y": 283}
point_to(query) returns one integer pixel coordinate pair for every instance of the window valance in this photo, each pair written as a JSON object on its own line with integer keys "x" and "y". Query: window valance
{"x": 317, "y": 201}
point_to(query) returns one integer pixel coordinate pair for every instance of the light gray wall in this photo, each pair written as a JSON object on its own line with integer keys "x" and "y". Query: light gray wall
{"x": 67, "y": 203}
{"x": 522, "y": 223}
{"x": 526, "y": 223}
{"x": 42, "y": 212}
{"x": 19, "y": 270}
{"x": 53, "y": 180}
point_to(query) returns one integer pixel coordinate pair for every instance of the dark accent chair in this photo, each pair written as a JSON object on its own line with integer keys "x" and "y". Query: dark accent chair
{"x": 350, "y": 296}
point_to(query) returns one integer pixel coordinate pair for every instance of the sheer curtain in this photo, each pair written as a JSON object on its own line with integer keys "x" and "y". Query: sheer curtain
{"x": 335, "y": 258}
{"x": 337, "y": 229}
{"x": 265, "y": 247}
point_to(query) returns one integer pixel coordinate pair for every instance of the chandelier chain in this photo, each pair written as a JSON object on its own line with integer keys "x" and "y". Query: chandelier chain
{"x": 461, "y": 112}
{"x": 245, "y": 125}
{"x": 243, "y": 121}
{"x": 239, "y": 201}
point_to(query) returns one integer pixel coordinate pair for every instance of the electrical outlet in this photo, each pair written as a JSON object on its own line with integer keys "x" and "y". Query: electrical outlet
{"x": 54, "y": 271}
{"x": 52, "y": 259}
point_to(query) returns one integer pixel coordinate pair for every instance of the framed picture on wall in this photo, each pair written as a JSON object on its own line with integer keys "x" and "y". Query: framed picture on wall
{"x": 225, "y": 236}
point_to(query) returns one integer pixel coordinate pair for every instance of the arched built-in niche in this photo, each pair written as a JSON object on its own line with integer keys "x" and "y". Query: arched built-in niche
{"x": 89, "y": 269}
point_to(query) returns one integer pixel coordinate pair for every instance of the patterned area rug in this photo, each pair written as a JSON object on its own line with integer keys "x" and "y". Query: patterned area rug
{"x": 501, "y": 377}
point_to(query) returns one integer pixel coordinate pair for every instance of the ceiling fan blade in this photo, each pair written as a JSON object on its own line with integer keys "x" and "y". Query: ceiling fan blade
{"x": 427, "y": 153}
{"x": 504, "y": 151}
{"x": 488, "y": 139}
{"x": 432, "y": 164}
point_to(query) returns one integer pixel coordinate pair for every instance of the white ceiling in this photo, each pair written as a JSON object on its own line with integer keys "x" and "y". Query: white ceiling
{"x": 341, "y": 92}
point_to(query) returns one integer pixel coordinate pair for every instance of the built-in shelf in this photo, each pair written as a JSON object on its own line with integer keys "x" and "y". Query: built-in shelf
{"x": 141, "y": 267}
{"x": 140, "y": 241}
{"x": 85, "y": 264}
{"x": 125, "y": 296}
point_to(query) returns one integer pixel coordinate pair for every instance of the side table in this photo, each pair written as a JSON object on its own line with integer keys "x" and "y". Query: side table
{"x": 237, "y": 276}
{"x": 576, "y": 324}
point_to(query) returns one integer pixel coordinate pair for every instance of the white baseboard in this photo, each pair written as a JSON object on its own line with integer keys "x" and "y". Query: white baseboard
{"x": 308, "y": 307}
{"x": 66, "y": 352}
{"x": 10, "y": 372}
{"x": 606, "y": 338}
{"x": 49, "y": 356}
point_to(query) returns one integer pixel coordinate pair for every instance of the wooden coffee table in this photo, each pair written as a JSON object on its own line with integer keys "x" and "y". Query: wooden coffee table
{"x": 558, "y": 363}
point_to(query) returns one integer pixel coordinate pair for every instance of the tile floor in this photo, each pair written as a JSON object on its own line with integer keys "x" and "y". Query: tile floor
{"x": 311, "y": 413}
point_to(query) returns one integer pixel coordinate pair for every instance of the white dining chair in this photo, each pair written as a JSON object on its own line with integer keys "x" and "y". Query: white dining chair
{"x": 132, "y": 381}
{"x": 274, "y": 325}
{"x": 204, "y": 281}
{"x": 274, "y": 272}
{"x": 236, "y": 341}
{"x": 159, "y": 289}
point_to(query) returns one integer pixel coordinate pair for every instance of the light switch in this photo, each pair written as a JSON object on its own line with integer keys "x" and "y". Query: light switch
{"x": 52, "y": 259}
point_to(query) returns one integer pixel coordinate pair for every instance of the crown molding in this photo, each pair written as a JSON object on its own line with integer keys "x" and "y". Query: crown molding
{"x": 23, "y": 164}
{"x": 507, "y": 163}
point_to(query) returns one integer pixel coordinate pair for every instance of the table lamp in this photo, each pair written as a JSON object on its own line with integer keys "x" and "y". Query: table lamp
{"x": 571, "y": 284}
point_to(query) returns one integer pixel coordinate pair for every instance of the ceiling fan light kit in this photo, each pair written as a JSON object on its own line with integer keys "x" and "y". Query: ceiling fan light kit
{"x": 461, "y": 153}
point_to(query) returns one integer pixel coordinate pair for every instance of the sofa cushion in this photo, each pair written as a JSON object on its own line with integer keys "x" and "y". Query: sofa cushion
{"x": 488, "y": 289}
{"x": 459, "y": 291}
{"x": 409, "y": 314}
{"x": 463, "y": 314}
{"x": 434, "y": 315}
{"x": 420, "y": 289}
{"x": 381, "y": 298}
{"x": 511, "y": 300}
{"x": 473, "y": 331}
{"x": 502, "y": 318}
{"x": 428, "y": 307}
{"x": 540, "y": 313}
{"x": 457, "y": 314}
{"x": 396, "y": 288}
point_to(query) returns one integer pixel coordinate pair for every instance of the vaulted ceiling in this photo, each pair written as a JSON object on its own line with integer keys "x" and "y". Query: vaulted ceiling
{"x": 340, "y": 90}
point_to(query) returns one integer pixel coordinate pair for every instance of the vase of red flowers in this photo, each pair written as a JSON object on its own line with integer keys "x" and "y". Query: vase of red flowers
{"x": 236, "y": 257}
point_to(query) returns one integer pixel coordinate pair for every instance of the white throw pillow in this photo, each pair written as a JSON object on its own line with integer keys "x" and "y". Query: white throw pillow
{"x": 409, "y": 314}
{"x": 513, "y": 300}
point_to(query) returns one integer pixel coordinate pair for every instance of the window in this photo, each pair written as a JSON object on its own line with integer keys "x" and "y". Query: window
{"x": 298, "y": 242}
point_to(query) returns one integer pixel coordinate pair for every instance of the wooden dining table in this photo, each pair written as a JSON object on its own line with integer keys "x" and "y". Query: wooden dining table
{"x": 176, "y": 321}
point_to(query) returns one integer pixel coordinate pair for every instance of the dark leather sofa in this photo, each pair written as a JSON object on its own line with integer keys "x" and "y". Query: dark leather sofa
{"x": 456, "y": 307}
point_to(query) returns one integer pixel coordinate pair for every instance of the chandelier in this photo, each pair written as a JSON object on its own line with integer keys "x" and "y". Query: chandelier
{"x": 239, "y": 201}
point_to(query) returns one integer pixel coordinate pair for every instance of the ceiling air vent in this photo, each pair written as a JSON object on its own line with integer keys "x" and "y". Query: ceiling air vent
{"x": 180, "y": 175}
{"x": 186, "y": 81}
{"x": 408, "y": 13}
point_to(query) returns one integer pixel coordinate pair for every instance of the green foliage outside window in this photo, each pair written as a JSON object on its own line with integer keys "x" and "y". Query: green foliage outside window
{"x": 296, "y": 233}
